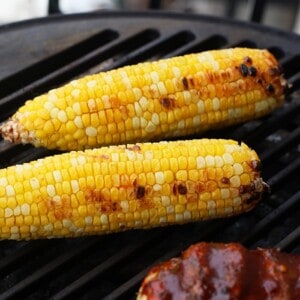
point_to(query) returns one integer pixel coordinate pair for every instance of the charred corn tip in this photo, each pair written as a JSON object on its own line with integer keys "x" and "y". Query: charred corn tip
{"x": 115, "y": 188}
{"x": 152, "y": 101}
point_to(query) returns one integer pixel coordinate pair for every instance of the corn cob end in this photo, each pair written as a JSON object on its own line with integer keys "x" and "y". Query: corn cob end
{"x": 13, "y": 131}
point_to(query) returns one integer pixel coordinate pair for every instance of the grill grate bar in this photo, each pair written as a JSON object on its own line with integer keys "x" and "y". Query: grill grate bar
{"x": 283, "y": 175}
{"x": 289, "y": 239}
{"x": 149, "y": 51}
{"x": 202, "y": 44}
{"x": 102, "y": 267}
{"x": 46, "y": 269}
{"x": 270, "y": 218}
{"x": 266, "y": 126}
{"x": 189, "y": 239}
{"x": 292, "y": 140}
{"x": 134, "y": 281}
{"x": 28, "y": 249}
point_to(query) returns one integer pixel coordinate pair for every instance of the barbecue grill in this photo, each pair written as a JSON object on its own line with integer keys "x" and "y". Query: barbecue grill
{"x": 41, "y": 54}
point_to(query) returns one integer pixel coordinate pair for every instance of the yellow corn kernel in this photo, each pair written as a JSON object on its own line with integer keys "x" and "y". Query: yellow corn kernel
{"x": 190, "y": 94}
{"x": 112, "y": 188}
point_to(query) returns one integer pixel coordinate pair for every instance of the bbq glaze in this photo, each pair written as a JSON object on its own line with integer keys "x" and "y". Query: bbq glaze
{"x": 224, "y": 271}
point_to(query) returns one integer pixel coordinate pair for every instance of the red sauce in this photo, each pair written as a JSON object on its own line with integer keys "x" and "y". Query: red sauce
{"x": 225, "y": 271}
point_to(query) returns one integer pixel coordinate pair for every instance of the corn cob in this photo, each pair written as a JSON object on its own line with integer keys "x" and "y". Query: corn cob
{"x": 152, "y": 101}
{"x": 115, "y": 188}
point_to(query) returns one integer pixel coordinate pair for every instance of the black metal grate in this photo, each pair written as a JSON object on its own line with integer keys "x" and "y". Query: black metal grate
{"x": 41, "y": 54}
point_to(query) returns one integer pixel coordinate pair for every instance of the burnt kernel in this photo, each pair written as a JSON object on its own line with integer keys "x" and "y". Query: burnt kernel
{"x": 114, "y": 206}
{"x": 135, "y": 182}
{"x": 275, "y": 71}
{"x": 225, "y": 180}
{"x": 252, "y": 71}
{"x": 167, "y": 102}
{"x": 191, "y": 81}
{"x": 185, "y": 83}
{"x": 174, "y": 190}
{"x": 244, "y": 189}
{"x": 244, "y": 70}
{"x": 259, "y": 80}
{"x": 140, "y": 192}
{"x": 255, "y": 165}
{"x": 135, "y": 148}
{"x": 247, "y": 60}
{"x": 270, "y": 88}
{"x": 253, "y": 198}
{"x": 182, "y": 190}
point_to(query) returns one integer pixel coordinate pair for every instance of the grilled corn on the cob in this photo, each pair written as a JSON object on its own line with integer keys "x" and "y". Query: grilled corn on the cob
{"x": 123, "y": 187}
{"x": 152, "y": 101}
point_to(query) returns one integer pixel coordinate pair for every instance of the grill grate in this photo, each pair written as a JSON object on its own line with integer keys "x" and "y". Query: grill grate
{"x": 45, "y": 53}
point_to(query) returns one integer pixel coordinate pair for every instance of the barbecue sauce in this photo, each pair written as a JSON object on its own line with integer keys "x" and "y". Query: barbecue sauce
{"x": 225, "y": 271}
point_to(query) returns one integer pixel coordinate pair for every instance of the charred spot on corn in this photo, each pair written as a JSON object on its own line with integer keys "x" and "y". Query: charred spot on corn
{"x": 185, "y": 83}
{"x": 252, "y": 71}
{"x": 255, "y": 165}
{"x": 270, "y": 88}
{"x": 247, "y": 60}
{"x": 140, "y": 192}
{"x": 182, "y": 189}
{"x": 168, "y": 102}
{"x": 254, "y": 197}
{"x": 246, "y": 189}
{"x": 244, "y": 70}
{"x": 134, "y": 148}
{"x": 275, "y": 71}
{"x": 225, "y": 180}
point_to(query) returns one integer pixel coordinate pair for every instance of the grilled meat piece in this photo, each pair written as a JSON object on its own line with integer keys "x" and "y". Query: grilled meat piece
{"x": 224, "y": 271}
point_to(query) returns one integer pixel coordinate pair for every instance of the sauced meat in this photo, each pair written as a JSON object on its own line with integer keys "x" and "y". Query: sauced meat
{"x": 224, "y": 271}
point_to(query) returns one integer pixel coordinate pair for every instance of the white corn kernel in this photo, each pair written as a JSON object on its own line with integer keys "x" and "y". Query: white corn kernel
{"x": 25, "y": 209}
{"x": 238, "y": 169}
{"x": 10, "y": 191}
{"x": 8, "y": 212}
{"x": 62, "y": 116}
{"x": 91, "y": 131}
{"x": 51, "y": 190}
{"x": 200, "y": 162}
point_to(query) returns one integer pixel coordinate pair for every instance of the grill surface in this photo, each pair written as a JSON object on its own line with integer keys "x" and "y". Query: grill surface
{"x": 40, "y": 54}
